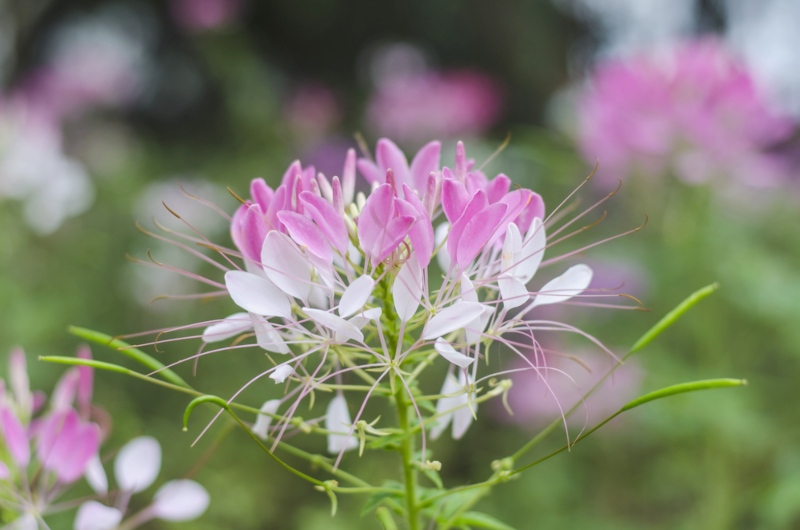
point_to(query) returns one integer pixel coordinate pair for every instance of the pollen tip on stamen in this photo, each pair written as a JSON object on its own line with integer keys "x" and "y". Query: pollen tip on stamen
{"x": 362, "y": 145}
{"x": 235, "y": 195}
{"x": 170, "y": 210}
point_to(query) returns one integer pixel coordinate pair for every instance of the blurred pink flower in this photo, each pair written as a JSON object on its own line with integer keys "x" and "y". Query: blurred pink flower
{"x": 201, "y": 15}
{"x": 694, "y": 111}
{"x": 540, "y": 396}
{"x": 416, "y": 105}
{"x": 312, "y": 110}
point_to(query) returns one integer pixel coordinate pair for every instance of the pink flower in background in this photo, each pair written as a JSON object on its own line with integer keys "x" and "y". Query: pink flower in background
{"x": 312, "y": 110}
{"x": 694, "y": 111}
{"x": 46, "y": 448}
{"x": 414, "y": 105}
{"x": 199, "y": 15}
{"x": 540, "y": 396}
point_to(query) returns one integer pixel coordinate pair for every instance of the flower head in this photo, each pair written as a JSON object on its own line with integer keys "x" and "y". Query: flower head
{"x": 339, "y": 287}
{"x": 694, "y": 111}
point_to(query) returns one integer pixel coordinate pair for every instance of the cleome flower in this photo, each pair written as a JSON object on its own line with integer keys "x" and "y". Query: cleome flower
{"x": 339, "y": 286}
{"x": 46, "y": 447}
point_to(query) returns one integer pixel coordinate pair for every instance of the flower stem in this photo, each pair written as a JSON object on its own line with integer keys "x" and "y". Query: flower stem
{"x": 407, "y": 453}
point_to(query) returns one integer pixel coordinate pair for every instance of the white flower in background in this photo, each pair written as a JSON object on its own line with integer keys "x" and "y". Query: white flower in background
{"x": 136, "y": 468}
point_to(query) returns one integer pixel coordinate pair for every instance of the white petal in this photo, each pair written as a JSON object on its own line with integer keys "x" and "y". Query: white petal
{"x": 356, "y": 295}
{"x": 528, "y": 259}
{"x": 266, "y": 335}
{"x": 318, "y": 298}
{"x": 228, "y": 327}
{"x": 512, "y": 244}
{"x": 464, "y": 415}
{"x": 96, "y": 475}
{"x": 452, "y": 318}
{"x": 343, "y": 330}
{"x": 573, "y": 282}
{"x": 439, "y": 235}
{"x": 468, "y": 292}
{"x": 282, "y": 371}
{"x": 180, "y": 500}
{"x": 137, "y": 464}
{"x": 257, "y": 295}
{"x": 512, "y": 291}
{"x": 337, "y": 421}
{"x": 26, "y": 521}
{"x": 474, "y": 330}
{"x": 261, "y": 426}
{"x": 451, "y": 354}
{"x": 363, "y": 318}
{"x": 407, "y": 289}
{"x": 445, "y": 405}
{"x": 95, "y": 516}
{"x": 286, "y": 266}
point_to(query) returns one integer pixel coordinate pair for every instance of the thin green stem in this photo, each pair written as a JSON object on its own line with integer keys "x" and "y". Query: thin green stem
{"x": 407, "y": 453}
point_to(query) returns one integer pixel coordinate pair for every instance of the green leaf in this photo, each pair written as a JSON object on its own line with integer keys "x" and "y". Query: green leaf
{"x": 134, "y": 353}
{"x": 433, "y": 476}
{"x": 384, "y": 517}
{"x": 481, "y": 520}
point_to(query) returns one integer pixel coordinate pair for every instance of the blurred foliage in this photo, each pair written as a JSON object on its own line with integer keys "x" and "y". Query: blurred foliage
{"x": 717, "y": 461}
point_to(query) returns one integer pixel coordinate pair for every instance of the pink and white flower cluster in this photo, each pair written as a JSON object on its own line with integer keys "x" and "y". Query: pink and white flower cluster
{"x": 694, "y": 111}
{"x": 338, "y": 283}
{"x": 45, "y": 446}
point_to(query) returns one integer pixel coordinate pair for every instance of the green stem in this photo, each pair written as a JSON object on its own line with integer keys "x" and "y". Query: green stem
{"x": 407, "y": 453}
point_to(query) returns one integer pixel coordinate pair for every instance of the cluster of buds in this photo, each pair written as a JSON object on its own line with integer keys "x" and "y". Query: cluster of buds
{"x": 342, "y": 284}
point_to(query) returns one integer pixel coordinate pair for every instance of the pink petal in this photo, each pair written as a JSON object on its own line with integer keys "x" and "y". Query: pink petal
{"x": 253, "y": 232}
{"x": 280, "y": 201}
{"x": 454, "y": 199}
{"x": 475, "y": 206}
{"x": 328, "y": 219}
{"x": 18, "y": 379}
{"x": 349, "y": 176}
{"x": 573, "y": 282}
{"x": 180, "y": 500}
{"x": 15, "y": 438}
{"x": 374, "y": 218}
{"x": 497, "y": 188}
{"x": 451, "y": 319}
{"x": 5, "y": 473}
{"x": 451, "y": 354}
{"x": 389, "y": 156}
{"x": 396, "y": 232}
{"x": 407, "y": 289}
{"x": 82, "y": 448}
{"x": 95, "y": 516}
{"x": 257, "y": 295}
{"x": 137, "y": 464}
{"x": 460, "y": 167}
{"x": 286, "y": 266}
{"x": 370, "y": 170}
{"x": 421, "y": 234}
{"x": 261, "y": 193}
{"x": 228, "y": 327}
{"x": 85, "y": 383}
{"x": 343, "y": 330}
{"x": 266, "y": 335}
{"x": 356, "y": 295}
{"x": 477, "y": 232}
{"x": 306, "y": 234}
{"x": 66, "y": 389}
{"x": 425, "y": 162}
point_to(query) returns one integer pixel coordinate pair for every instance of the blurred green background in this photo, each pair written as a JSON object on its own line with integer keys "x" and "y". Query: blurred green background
{"x": 169, "y": 95}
